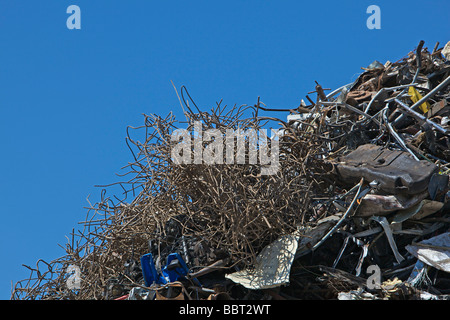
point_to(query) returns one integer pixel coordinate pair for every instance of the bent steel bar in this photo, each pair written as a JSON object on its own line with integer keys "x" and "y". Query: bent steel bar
{"x": 396, "y": 136}
{"x": 429, "y": 95}
{"x": 419, "y": 117}
{"x": 387, "y": 230}
{"x": 386, "y": 90}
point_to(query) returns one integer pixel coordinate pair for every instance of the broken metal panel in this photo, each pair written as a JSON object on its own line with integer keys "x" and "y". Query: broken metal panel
{"x": 376, "y": 204}
{"x": 273, "y": 265}
{"x": 434, "y": 251}
{"x": 395, "y": 171}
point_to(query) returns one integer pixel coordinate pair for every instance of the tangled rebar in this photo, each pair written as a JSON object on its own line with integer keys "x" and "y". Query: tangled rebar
{"x": 219, "y": 211}
{"x": 229, "y": 211}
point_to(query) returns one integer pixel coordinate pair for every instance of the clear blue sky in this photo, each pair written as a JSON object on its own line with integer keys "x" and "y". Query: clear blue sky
{"x": 67, "y": 96}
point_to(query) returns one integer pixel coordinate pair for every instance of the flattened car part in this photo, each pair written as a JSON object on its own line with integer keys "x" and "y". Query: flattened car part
{"x": 396, "y": 171}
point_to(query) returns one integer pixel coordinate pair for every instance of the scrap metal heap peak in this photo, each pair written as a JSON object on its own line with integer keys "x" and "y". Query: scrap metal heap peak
{"x": 358, "y": 208}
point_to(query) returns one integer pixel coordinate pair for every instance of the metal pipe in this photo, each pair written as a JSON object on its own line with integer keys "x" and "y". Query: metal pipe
{"x": 337, "y": 90}
{"x": 418, "y": 59}
{"x": 356, "y": 110}
{"x": 396, "y": 136}
{"x": 419, "y": 117}
{"x": 332, "y": 230}
{"x": 387, "y": 89}
{"x": 430, "y": 94}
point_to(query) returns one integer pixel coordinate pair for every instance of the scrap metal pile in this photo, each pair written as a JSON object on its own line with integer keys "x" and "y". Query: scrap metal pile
{"x": 358, "y": 207}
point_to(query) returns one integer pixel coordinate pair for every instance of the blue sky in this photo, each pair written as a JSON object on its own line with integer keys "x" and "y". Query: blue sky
{"x": 67, "y": 96}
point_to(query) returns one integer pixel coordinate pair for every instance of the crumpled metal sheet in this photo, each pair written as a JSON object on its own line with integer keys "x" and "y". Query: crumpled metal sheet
{"x": 138, "y": 293}
{"x": 434, "y": 251}
{"x": 273, "y": 265}
{"x": 446, "y": 51}
{"x": 356, "y": 295}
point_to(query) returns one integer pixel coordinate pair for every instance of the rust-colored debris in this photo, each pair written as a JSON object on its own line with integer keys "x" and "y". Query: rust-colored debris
{"x": 357, "y": 208}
